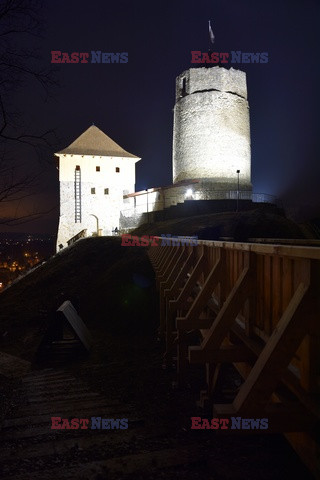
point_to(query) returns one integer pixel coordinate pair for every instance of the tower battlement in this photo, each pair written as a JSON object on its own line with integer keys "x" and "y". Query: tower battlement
{"x": 215, "y": 78}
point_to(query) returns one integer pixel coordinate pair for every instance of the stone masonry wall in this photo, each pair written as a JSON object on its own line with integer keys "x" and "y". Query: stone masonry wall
{"x": 211, "y": 136}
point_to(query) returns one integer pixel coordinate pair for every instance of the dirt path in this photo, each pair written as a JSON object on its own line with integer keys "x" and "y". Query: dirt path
{"x": 31, "y": 449}
{"x": 158, "y": 443}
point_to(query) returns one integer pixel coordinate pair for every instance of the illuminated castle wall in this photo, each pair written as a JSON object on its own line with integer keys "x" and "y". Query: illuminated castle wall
{"x": 211, "y": 141}
{"x": 94, "y": 173}
{"x": 211, "y": 133}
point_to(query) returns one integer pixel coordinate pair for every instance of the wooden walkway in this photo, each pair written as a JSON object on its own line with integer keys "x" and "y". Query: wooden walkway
{"x": 254, "y": 306}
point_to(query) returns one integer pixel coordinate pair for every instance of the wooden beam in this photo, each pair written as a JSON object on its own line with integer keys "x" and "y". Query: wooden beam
{"x": 188, "y": 287}
{"x": 190, "y": 320}
{"x": 226, "y": 315}
{"x": 174, "y": 291}
{"x": 175, "y": 269}
{"x": 276, "y": 355}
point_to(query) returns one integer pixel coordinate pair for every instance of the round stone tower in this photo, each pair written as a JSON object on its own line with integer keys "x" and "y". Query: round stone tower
{"x": 211, "y": 133}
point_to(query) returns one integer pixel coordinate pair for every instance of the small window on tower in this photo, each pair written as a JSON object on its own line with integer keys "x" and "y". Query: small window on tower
{"x": 97, "y": 169}
{"x": 77, "y": 167}
{"x": 117, "y": 169}
{"x": 106, "y": 191}
{"x": 184, "y": 84}
{"x": 93, "y": 190}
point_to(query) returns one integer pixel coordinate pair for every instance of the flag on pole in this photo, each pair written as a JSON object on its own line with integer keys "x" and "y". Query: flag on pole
{"x": 211, "y": 35}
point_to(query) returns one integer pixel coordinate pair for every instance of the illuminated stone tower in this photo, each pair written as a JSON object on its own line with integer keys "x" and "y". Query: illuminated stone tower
{"x": 94, "y": 173}
{"x": 211, "y": 134}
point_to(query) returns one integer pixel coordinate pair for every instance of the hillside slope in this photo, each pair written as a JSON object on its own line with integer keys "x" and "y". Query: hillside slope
{"x": 104, "y": 281}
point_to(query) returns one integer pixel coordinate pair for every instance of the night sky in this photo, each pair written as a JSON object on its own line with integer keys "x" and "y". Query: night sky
{"x": 133, "y": 102}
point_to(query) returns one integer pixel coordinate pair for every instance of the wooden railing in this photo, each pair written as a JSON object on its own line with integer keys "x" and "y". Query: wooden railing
{"x": 255, "y": 306}
{"x": 76, "y": 237}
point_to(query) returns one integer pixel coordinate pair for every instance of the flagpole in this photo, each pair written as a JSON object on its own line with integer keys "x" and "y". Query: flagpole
{"x": 211, "y": 40}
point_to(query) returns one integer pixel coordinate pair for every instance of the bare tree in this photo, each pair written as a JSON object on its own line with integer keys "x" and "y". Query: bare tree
{"x": 21, "y": 69}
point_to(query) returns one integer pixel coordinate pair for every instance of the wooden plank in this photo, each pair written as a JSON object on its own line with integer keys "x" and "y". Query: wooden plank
{"x": 175, "y": 253}
{"x": 174, "y": 265}
{"x": 161, "y": 252}
{"x": 188, "y": 287}
{"x": 267, "y": 294}
{"x": 281, "y": 271}
{"x": 163, "y": 260}
{"x": 180, "y": 255}
{"x": 276, "y": 291}
{"x": 275, "y": 357}
{"x": 259, "y": 320}
{"x": 287, "y": 281}
{"x": 226, "y": 315}
{"x": 173, "y": 292}
{"x": 70, "y": 314}
{"x": 309, "y": 363}
{"x": 231, "y": 268}
{"x": 166, "y": 262}
{"x": 288, "y": 378}
{"x": 189, "y": 321}
{"x": 265, "y": 249}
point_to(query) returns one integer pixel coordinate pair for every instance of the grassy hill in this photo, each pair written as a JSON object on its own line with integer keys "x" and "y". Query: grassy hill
{"x": 106, "y": 282}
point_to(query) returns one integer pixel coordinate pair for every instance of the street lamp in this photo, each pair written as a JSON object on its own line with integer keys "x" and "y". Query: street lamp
{"x": 97, "y": 220}
{"x": 238, "y": 172}
{"x": 147, "y": 205}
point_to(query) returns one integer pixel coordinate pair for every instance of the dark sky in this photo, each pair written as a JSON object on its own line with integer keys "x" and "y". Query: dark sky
{"x": 133, "y": 102}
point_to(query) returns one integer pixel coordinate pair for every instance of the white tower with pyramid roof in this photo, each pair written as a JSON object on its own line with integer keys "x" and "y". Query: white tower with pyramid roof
{"x": 94, "y": 174}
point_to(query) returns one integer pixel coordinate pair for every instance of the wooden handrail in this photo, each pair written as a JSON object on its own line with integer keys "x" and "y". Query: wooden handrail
{"x": 273, "y": 292}
{"x": 81, "y": 234}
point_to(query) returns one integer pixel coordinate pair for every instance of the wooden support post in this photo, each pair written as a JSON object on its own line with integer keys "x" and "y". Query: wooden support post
{"x": 159, "y": 252}
{"x": 173, "y": 292}
{"x": 174, "y": 269}
{"x": 164, "y": 261}
{"x": 163, "y": 286}
{"x": 226, "y": 315}
{"x": 255, "y": 393}
{"x": 191, "y": 319}
{"x": 174, "y": 255}
{"x": 188, "y": 287}
{"x": 170, "y": 315}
